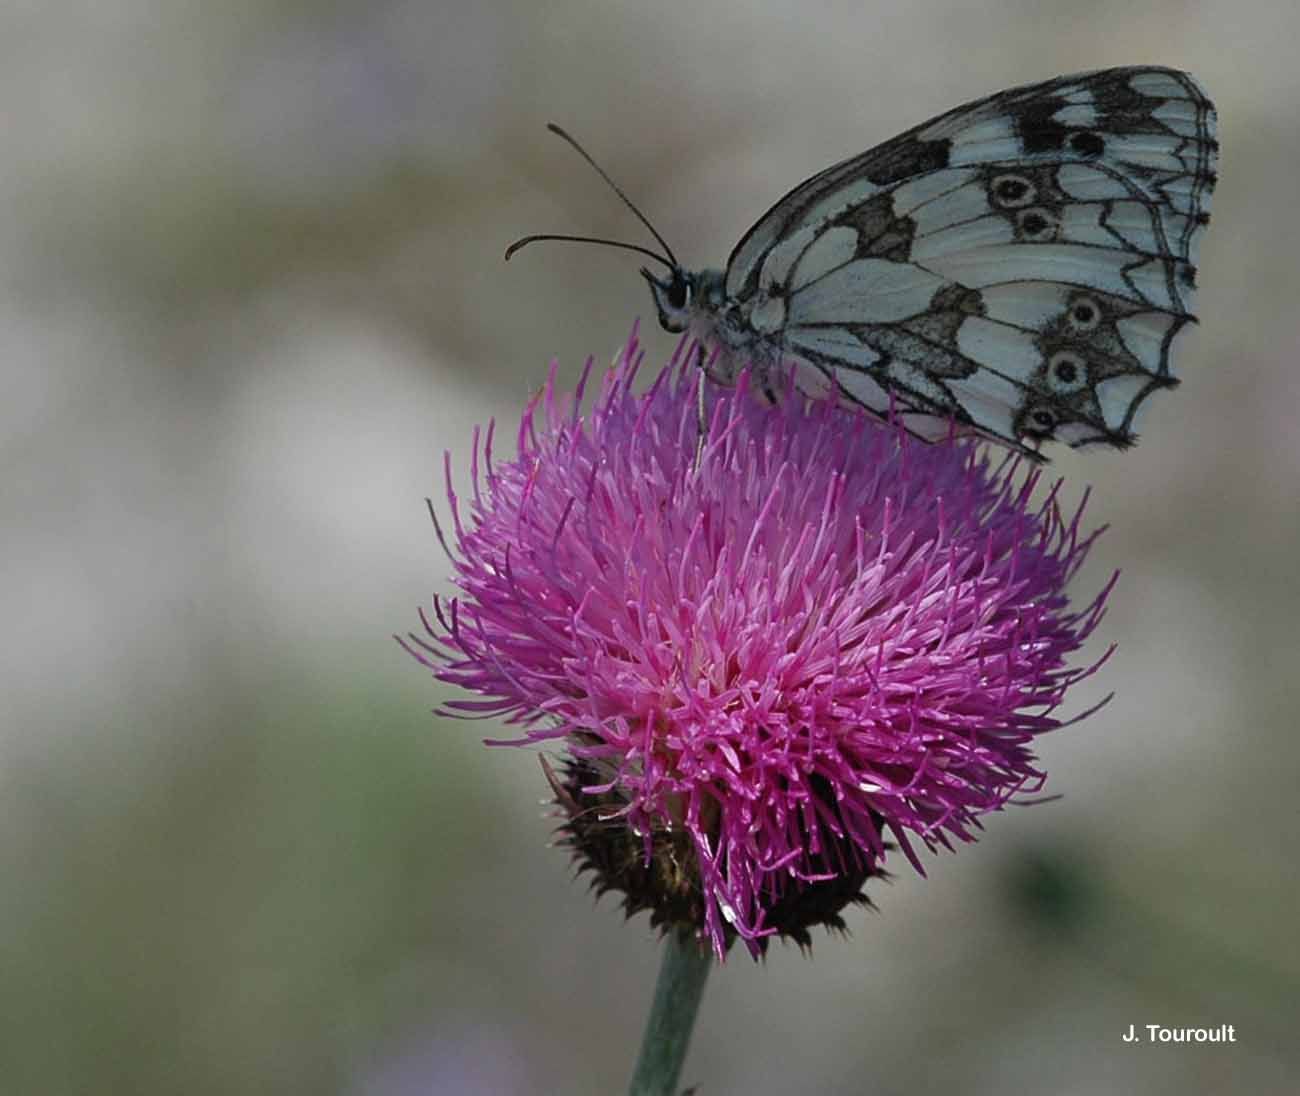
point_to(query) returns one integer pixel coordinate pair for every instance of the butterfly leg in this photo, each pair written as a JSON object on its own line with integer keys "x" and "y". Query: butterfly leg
{"x": 701, "y": 422}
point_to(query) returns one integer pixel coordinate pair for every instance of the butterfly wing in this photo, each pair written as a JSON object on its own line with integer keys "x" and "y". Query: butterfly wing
{"x": 1020, "y": 265}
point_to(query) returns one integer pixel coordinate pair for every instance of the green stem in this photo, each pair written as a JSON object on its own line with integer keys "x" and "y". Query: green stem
{"x": 682, "y": 975}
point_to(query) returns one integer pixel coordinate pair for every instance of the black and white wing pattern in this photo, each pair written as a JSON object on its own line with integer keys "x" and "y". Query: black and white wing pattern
{"x": 1020, "y": 265}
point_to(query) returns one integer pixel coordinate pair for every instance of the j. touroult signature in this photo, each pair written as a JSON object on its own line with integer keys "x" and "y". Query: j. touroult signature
{"x": 1158, "y": 1033}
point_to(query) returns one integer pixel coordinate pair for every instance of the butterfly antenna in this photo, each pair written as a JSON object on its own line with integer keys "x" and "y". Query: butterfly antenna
{"x": 616, "y": 188}
{"x": 524, "y": 241}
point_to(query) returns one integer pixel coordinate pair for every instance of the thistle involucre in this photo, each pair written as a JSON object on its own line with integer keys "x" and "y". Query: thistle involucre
{"x": 825, "y": 637}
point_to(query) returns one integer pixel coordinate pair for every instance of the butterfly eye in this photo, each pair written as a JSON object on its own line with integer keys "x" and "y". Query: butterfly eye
{"x": 679, "y": 293}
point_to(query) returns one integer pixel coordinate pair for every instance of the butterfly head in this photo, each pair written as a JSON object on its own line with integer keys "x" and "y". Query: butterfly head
{"x": 684, "y": 294}
{"x": 674, "y": 297}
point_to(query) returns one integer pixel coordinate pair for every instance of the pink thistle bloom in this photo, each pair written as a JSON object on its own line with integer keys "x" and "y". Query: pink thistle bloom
{"x": 826, "y": 636}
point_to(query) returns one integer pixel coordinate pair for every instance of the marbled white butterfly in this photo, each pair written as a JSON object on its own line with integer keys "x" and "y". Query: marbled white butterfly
{"x": 1018, "y": 267}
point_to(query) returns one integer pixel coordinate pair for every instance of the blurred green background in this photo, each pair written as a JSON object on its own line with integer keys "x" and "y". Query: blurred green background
{"x": 252, "y": 288}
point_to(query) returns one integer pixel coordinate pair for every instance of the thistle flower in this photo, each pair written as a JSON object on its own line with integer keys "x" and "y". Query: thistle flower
{"x": 769, "y": 666}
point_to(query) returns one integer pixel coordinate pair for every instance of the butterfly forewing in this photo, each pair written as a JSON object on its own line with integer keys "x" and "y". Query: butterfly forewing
{"x": 1019, "y": 265}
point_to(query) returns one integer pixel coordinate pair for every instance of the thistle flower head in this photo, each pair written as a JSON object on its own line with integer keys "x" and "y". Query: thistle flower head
{"x": 767, "y": 667}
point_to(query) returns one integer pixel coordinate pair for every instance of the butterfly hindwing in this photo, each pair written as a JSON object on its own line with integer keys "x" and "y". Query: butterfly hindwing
{"x": 1020, "y": 265}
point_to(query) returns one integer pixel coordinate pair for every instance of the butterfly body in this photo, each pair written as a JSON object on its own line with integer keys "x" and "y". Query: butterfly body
{"x": 1018, "y": 267}
{"x": 696, "y": 301}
